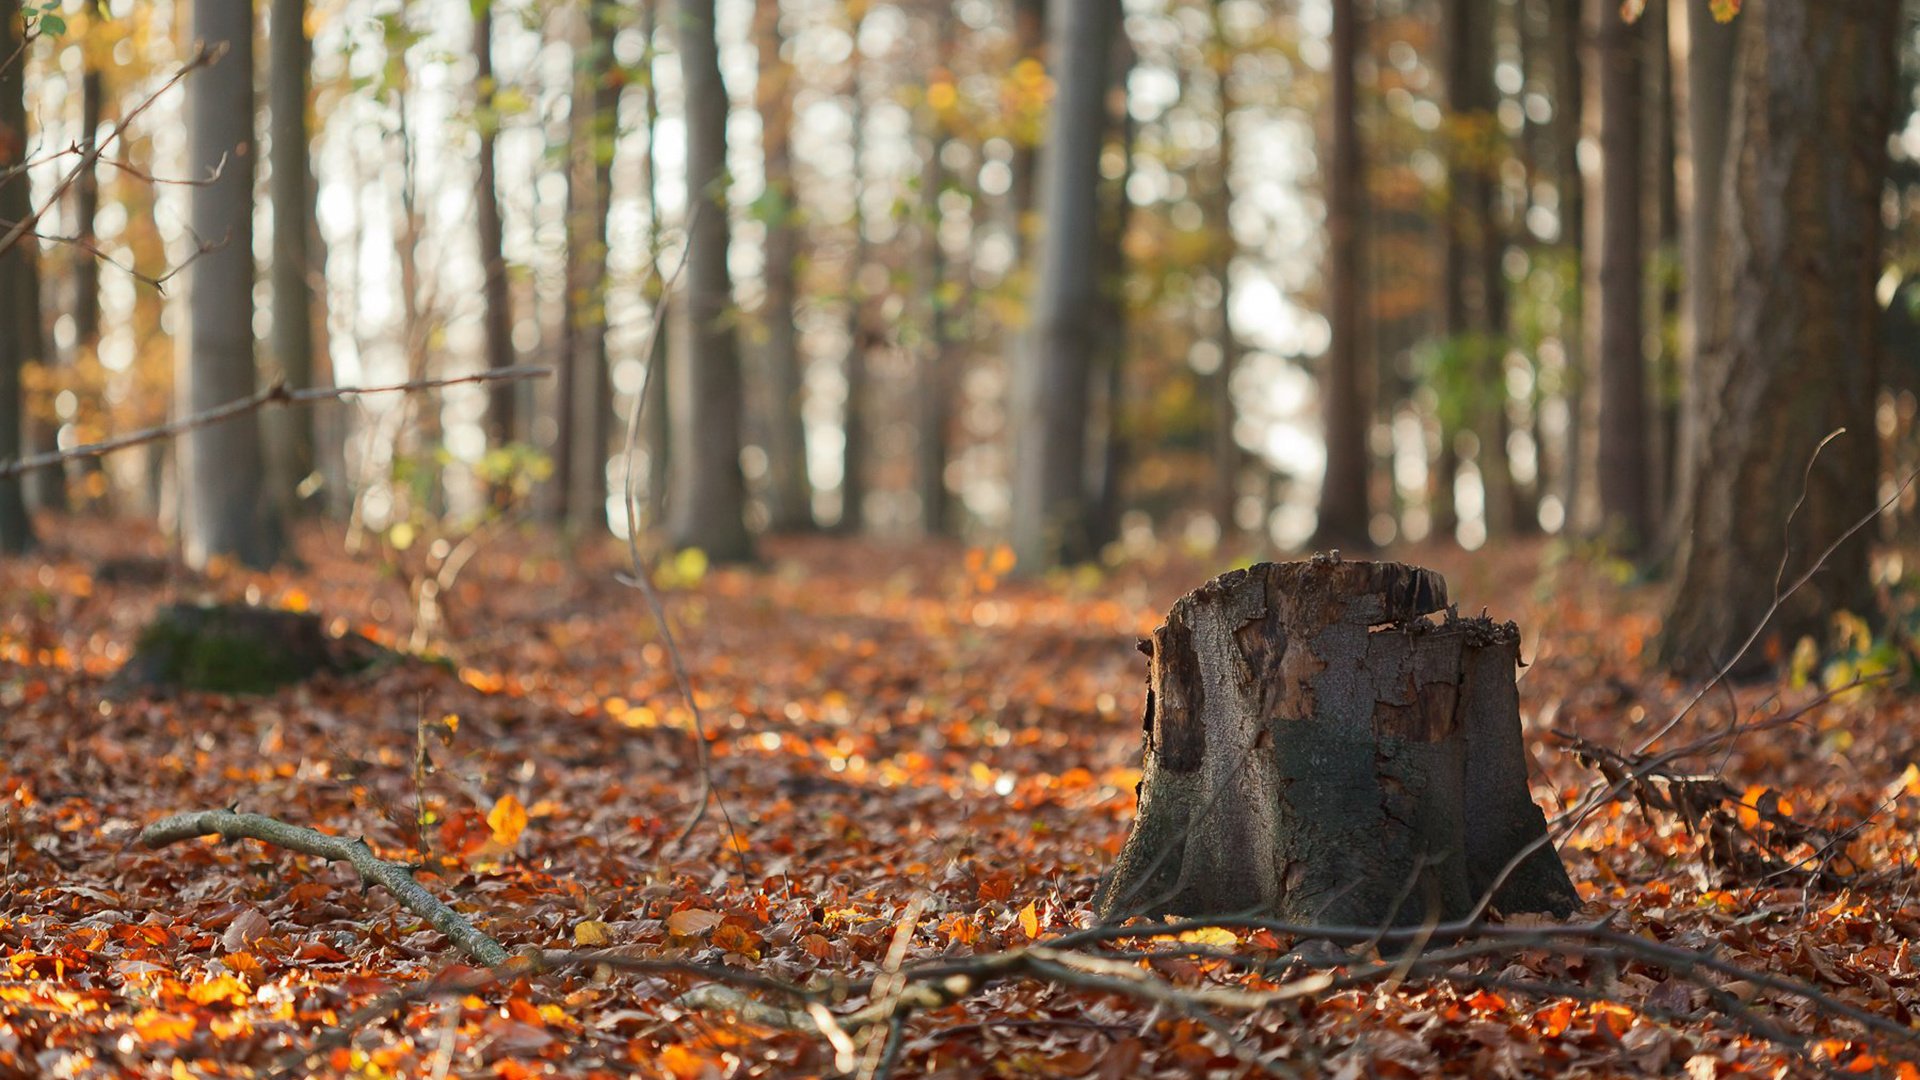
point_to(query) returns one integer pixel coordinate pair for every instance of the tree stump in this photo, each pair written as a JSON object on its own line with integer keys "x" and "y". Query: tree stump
{"x": 236, "y": 649}
{"x": 1319, "y": 751}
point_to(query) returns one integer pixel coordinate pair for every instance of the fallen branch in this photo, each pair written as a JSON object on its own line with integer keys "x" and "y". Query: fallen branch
{"x": 274, "y": 393}
{"x": 393, "y": 877}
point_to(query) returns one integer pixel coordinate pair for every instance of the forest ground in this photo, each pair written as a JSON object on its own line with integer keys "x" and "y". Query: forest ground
{"x": 912, "y": 750}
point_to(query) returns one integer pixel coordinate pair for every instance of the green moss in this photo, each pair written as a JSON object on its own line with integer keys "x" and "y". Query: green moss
{"x": 200, "y": 658}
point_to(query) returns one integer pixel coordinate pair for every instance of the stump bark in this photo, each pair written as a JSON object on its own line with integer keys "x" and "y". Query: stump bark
{"x": 1319, "y": 750}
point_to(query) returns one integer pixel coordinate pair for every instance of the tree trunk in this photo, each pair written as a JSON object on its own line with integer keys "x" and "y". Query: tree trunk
{"x": 86, "y": 271}
{"x": 1475, "y": 304}
{"x": 935, "y": 355}
{"x": 592, "y": 402}
{"x": 290, "y": 431}
{"x": 709, "y": 492}
{"x": 659, "y": 416}
{"x": 221, "y": 476}
{"x": 1344, "y": 512}
{"x": 1051, "y": 378}
{"x": 18, "y": 299}
{"x": 1615, "y": 324}
{"x": 1113, "y": 442}
{"x": 1703, "y": 52}
{"x": 496, "y": 316}
{"x": 1569, "y": 79}
{"x": 1030, "y": 43}
{"x": 1318, "y": 751}
{"x": 1794, "y": 353}
{"x": 1227, "y": 455}
{"x": 853, "y": 410}
{"x": 789, "y": 494}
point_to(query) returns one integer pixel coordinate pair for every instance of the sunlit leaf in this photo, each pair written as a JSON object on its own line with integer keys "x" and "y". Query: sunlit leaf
{"x": 692, "y": 922}
{"x": 507, "y": 819}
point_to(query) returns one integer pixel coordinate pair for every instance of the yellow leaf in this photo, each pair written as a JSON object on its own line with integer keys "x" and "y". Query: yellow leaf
{"x": 1217, "y": 936}
{"x": 507, "y": 819}
{"x": 589, "y": 933}
{"x": 1030, "y": 920}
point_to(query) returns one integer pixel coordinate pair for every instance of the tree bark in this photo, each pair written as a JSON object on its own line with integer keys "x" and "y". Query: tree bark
{"x": 221, "y": 475}
{"x": 1344, "y": 510}
{"x": 1794, "y": 352}
{"x": 496, "y": 314}
{"x": 1228, "y": 458}
{"x": 1703, "y": 53}
{"x": 659, "y": 415}
{"x": 19, "y": 299}
{"x": 1030, "y": 44}
{"x": 935, "y": 355}
{"x": 1113, "y": 440}
{"x": 1614, "y": 298}
{"x": 1569, "y": 80}
{"x": 592, "y": 403}
{"x": 709, "y": 492}
{"x": 290, "y": 434}
{"x": 853, "y": 414}
{"x": 1319, "y": 751}
{"x": 789, "y": 495}
{"x": 1051, "y": 379}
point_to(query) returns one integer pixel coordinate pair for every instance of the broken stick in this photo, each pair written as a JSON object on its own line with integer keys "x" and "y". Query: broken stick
{"x": 393, "y": 877}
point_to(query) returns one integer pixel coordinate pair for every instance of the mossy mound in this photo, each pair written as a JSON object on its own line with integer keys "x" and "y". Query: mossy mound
{"x": 235, "y": 649}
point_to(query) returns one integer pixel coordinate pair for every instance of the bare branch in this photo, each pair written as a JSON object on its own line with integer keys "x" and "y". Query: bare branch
{"x": 275, "y": 393}
{"x": 202, "y": 58}
{"x": 393, "y": 877}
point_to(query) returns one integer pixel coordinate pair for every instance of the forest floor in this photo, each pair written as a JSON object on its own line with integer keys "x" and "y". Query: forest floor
{"x": 918, "y": 761}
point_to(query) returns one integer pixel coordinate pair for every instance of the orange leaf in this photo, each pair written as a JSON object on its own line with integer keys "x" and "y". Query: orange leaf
{"x": 158, "y": 1027}
{"x": 1555, "y": 1019}
{"x": 997, "y": 889}
{"x": 1030, "y": 920}
{"x": 691, "y": 922}
{"x": 507, "y": 819}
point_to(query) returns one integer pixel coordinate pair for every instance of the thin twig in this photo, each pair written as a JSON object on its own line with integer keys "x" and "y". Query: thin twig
{"x": 205, "y": 56}
{"x": 641, "y": 577}
{"x": 274, "y": 393}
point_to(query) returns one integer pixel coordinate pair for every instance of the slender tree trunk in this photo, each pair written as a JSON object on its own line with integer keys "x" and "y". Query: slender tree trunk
{"x": 1569, "y": 85}
{"x": 592, "y": 403}
{"x": 1114, "y": 442}
{"x": 853, "y": 417}
{"x": 1051, "y": 382}
{"x": 1228, "y": 459}
{"x": 1703, "y": 54}
{"x": 1661, "y": 302}
{"x": 709, "y": 492}
{"x": 659, "y": 426}
{"x": 1344, "y": 510}
{"x": 1475, "y": 306}
{"x": 221, "y": 475}
{"x": 86, "y": 266}
{"x": 496, "y": 315}
{"x": 18, "y": 296}
{"x": 789, "y": 494}
{"x": 1614, "y": 276}
{"x": 936, "y": 361}
{"x": 290, "y": 431}
{"x": 1794, "y": 352}
{"x": 1030, "y": 42}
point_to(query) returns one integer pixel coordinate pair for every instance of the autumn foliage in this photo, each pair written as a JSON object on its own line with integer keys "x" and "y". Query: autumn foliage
{"x": 917, "y": 762}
